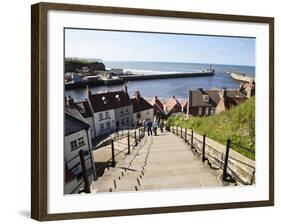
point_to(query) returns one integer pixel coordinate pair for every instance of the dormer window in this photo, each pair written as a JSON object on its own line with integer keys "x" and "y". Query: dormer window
{"x": 104, "y": 100}
{"x": 206, "y": 98}
{"x": 117, "y": 97}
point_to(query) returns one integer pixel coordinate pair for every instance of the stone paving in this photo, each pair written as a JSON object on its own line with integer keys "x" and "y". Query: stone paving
{"x": 158, "y": 162}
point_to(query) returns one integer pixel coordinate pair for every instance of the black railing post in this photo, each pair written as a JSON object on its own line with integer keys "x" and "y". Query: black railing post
{"x": 84, "y": 171}
{"x": 191, "y": 141}
{"x": 139, "y": 134}
{"x": 181, "y": 131}
{"x": 185, "y": 135}
{"x": 203, "y": 148}
{"x": 224, "y": 174}
{"x": 129, "y": 150}
{"x": 113, "y": 153}
{"x": 177, "y": 130}
{"x": 136, "y": 141}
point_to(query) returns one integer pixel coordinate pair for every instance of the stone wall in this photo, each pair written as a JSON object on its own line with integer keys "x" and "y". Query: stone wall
{"x": 239, "y": 166}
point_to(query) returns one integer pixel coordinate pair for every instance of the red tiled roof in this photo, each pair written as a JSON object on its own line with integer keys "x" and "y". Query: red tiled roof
{"x": 171, "y": 103}
{"x": 184, "y": 103}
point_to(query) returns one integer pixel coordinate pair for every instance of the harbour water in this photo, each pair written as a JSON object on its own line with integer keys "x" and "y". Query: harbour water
{"x": 165, "y": 88}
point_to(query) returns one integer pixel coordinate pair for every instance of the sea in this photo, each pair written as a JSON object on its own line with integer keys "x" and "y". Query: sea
{"x": 165, "y": 88}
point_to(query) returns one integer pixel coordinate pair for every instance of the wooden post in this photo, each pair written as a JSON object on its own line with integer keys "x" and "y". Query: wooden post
{"x": 112, "y": 152}
{"x": 129, "y": 150}
{"x": 185, "y": 135}
{"x": 224, "y": 174}
{"x": 203, "y": 149}
{"x": 191, "y": 142}
{"x": 84, "y": 172}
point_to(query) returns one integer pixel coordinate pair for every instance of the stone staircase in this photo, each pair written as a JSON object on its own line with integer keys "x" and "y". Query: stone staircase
{"x": 158, "y": 162}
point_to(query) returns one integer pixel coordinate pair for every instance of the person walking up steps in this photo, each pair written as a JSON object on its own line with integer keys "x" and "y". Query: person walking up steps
{"x": 155, "y": 126}
{"x": 161, "y": 125}
{"x": 149, "y": 127}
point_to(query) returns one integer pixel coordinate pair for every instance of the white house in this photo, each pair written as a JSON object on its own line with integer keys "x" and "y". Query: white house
{"x": 76, "y": 138}
{"x": 111, "y": 110}
{"x": 142, "y": 110}
{"x": 103, "y": 113}
{"x": 85, "y": 110}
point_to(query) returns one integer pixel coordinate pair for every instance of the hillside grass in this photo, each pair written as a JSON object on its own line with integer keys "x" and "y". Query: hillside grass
{"x": 238, "y": 124}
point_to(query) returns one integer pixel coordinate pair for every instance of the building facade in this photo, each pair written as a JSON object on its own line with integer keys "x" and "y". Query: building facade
{"x": 111, "y": 111}
{"x": 208, "y": 102}
{"x": 76, "y": 138}
{"x": 142, "y": 110}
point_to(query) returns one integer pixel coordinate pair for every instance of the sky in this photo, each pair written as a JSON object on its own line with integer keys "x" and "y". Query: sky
{"x": 136, "y": 46}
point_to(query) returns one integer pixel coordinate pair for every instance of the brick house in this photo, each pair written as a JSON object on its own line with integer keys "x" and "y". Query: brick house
{"x": 203, "y": 102}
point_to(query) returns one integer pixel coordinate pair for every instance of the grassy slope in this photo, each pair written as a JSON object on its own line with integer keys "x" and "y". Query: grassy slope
{"x": 238, "y": 124}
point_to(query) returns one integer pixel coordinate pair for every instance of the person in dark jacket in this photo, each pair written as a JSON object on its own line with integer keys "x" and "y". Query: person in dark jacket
{"x": 149, "y": 127}
{"x": 161, "y": 125}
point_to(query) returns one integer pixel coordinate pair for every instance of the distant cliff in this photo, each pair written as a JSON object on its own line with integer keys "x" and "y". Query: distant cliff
{"x": 72, "y": 66}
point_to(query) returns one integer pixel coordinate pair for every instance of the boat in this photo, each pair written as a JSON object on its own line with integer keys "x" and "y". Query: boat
{"x": 239, "y": 76}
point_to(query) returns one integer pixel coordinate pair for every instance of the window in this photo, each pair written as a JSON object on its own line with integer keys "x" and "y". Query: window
{"x": 102, "y": 126}
{"x": 81, "y": 141}
{"x": 101, "y": 116}
{"x": 121, "y": 111}
{"x": 200, "y": 111}
{"x": 122, "y": 121}
{"x": 127, "y": 120}
{"x": 73, "y": 145}
{"x": 108, "y": 124}
{"x": 207, "y": 111}
{"x": 106, "y": 114}
{"x": 127, "y": 110}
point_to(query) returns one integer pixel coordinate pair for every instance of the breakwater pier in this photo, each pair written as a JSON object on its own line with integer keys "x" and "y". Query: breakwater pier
{"x": 133, "y": 77}
{"x": 123, "y": 78}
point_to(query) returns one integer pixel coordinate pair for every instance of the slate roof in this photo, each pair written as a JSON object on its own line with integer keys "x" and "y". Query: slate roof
{"x": 84, "y": 108}
{"x": 235, "y": 94}
{"x": 196, "y": 98}
{"x": 233, "y": 98}
{"x": 109, "y": 100}
{"x": 140, "y": 105}
{"x": 73, "y": 124}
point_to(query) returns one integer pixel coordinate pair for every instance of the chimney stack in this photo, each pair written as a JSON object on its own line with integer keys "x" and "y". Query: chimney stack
{"x": 70, "y": 102}
{"x": 224, "y": 91}
{"x": 89, "y": 93}
{"x": 125, "y": 88}
{"x": 137, "y": 94}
